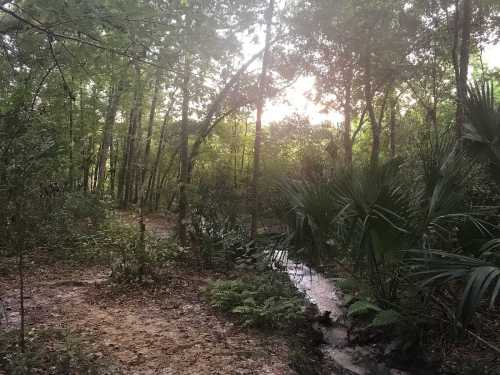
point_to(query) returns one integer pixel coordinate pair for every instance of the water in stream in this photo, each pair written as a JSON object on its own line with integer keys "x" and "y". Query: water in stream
{"x": 323, "y": 292}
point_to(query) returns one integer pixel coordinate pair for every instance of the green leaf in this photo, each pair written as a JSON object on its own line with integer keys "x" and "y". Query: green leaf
{"x": 362, "y": 307}
{"x": 385, "y": 318}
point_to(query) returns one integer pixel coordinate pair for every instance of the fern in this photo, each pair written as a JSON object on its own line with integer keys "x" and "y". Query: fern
{"x": 386, "y": 318}
{"x": 362, "y": 307}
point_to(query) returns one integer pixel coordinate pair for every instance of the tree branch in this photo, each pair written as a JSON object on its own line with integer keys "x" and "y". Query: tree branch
{"x": 56, "y": 35}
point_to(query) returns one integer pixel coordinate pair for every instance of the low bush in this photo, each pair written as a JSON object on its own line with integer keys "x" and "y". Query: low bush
{"x": 143, "y": 262}
{"x": 267, "y": 301}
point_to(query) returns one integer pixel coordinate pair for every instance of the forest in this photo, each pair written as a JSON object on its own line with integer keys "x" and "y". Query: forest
{"x": 305, "y": 187}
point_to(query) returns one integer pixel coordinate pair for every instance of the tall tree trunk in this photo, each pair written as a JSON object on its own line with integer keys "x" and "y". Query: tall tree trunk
{"x": 20, "y": 266}
{"x": 86, "y": 167}
{"x": 434, "y": 104}
{"x": 375, "y": 126}
{"x": 163, "y": 180}
{"x": 463, "y": 64}
{"x": 129, "y": 167}
{"x": 392, "y": 135}
{"x": 347, "y": 115}
{"x": 258, "y": 123}
{"x": 115, "y": 92}
{"x": 113, "y": 158}
{"x": 243, "y": 151}
{"x": 235, "y": 154}
{"x": 81, "y": 135}
{"x": 161, "y": 145}
{"x": 151, "y": 120}
{"x": 155, "y": 168}
{"x": 71, "y": 177}
{"x": 184, "y": 155}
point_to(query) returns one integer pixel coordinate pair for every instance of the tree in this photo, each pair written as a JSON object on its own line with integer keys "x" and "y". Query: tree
{"x": 258, "y": 123}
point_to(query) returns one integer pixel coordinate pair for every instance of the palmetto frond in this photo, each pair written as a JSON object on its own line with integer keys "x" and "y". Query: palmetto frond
{"x": 483, "y": 126}
{"x": 444, "y": 171}
{"x": 480, "y": 277}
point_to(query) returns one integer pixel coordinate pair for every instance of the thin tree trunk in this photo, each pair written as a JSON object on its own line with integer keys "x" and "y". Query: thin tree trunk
{"x": 86, "y": 167}
{"x": 184, "y": 156}
{"x": 392, "y": 135}
{"x": 71, "y": 145}
{"x": 129, "y": 156}
{"x": 163, "y": 180}
{"x": 258, "y": 124}
{"x": 347, "y": 116}
{"x": 21, "y": 295}
{"x": 154, "y": 171}
{"x": 152, "y": 114}
{"x": 114, "y": 100}
{"x": 434, "y": 104}
{"x": 235, "y": 155}
{"x": 463, "y": 65}
{"x": 375, "y": 126}
{"x": 81, "y": 136}
{"x": 94, "y": 175}
{"x": 161, "y": 145}
{"x": 243, "y": 151}
{"x": 113, "y": 153}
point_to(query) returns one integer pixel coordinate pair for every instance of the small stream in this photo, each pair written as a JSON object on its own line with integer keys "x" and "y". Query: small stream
{"x": 322, "y": 292}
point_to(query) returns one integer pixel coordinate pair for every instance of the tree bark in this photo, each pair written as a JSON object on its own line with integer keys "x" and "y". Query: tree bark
{"x": 113, "y": 102}
{"x": 258, "y": 124}
{"x": 375, "y": 126}
{"x": 347, "y": 115}
{"x": 463, "y": 64}
{"x": 235, "y": 154}
{"x": 71, "y": 177}
{"x": 243, "y": 151}
{"x": 152, "y": 114}
{"x": 161, "y": 145}
{"x": 392, "y": 124}
{"x": 130, "y": 150}
{"x": 184, "y": 155}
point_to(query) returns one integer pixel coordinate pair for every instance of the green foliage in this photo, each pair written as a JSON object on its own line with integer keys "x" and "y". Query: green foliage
{"x": 371, "y": 216}
{"x": 483, "y": 127}
{"x": 218, "y": 232}
{"x": 386, "y": 318}
{"x": 49, "y": 352}
{"x": 267, "y": 301}
{"x": 480, "y": 276}
{"x": 362, "y": 307}
{"x": 69, "y": 219}
{"x": 362, "y": 210}
{"x": 147, "y": 262}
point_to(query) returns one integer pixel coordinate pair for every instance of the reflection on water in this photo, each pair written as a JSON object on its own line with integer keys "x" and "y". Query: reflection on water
{"x": 319, "y": 290}
{"x": 325, "y": 295}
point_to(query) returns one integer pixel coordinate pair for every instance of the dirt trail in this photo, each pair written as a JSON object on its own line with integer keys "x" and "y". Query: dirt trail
{"x": 167, "y": 330}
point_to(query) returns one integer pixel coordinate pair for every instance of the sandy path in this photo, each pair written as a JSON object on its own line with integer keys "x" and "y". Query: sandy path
{"x": 164, "y": 330}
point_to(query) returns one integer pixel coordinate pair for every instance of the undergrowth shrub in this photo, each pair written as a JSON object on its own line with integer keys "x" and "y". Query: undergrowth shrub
{"x": 402, "y": 323}
{"x": 98, "y": 246}
{"x": 145, "y": 262}
{"x": 73, "y": 215}
{"x": 54, "y": 352}
{"x": 266, "y": 301}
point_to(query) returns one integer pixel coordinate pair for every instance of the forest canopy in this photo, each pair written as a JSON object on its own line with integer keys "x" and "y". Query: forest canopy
{"x": 386, "y": 172}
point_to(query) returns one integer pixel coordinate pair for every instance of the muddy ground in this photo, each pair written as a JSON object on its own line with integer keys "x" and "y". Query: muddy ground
{"x": 156, "y": 330}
